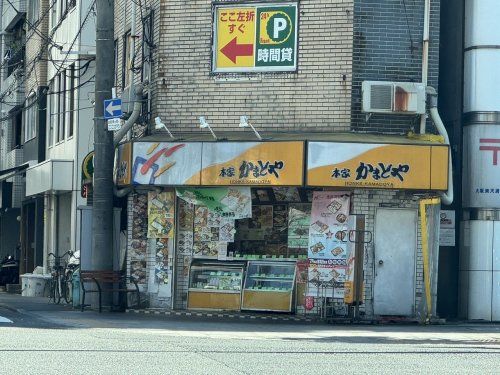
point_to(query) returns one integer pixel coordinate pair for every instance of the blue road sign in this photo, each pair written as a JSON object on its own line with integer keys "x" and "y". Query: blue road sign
{"x": 112, "y": 108}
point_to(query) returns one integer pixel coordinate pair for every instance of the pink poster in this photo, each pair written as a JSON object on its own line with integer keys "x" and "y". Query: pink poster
{"x": 328, "y": 230}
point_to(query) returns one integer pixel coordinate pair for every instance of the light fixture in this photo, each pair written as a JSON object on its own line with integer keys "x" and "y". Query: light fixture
{"x": 160, "y": 125}
{"x": 244, "y": 124}
{"x": 204, "y": 124}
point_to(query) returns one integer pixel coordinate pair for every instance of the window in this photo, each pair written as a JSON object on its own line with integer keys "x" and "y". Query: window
{"x": 71, "y": 4}
{"x": 127, "y": 43}
{"x": 62, "y": 8}
{"x": 30, "y": 118}
{"x": 17, "y": 124}
{"x": 147, "y": 46}
{"x": 116, "y": 62}
{"x": 71, "y": 99}
{"x": 51, "y": 110}
{"x": 33, "y": 11}
{"x": 61, "y": 109}
{"x": 53, "y": 14}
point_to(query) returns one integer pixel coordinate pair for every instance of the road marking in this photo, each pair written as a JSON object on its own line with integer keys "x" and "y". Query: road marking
{"x": 5, "y": 320}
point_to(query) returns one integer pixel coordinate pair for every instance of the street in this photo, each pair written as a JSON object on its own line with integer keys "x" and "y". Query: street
{"x": 45, "y": 342}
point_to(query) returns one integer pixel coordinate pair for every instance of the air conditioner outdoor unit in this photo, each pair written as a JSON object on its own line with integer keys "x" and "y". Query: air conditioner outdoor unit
{"x": 393, "y": 97}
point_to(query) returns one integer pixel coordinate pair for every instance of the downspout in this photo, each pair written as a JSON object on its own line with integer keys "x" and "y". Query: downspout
{"x": 425, "y": 56}
{"x": 132, "y": 59}
{"x": 125, "y": 129}
{"x": 133, "y": 117}
{"x": 446, "y": 198}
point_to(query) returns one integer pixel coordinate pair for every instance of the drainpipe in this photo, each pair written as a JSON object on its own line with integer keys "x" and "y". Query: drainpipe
{"x": 425, "y": 56}
{"x": 446, "y": 198}
{"x": 125, "y": 129}
{"x": 133, "y": 117}
{"x": 132, "y": 59}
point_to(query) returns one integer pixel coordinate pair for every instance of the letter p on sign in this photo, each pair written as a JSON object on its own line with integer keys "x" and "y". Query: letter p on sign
{"x": 279, "y": 25}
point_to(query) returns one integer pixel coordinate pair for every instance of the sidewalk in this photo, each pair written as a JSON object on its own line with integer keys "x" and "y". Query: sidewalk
{"x": 66, "y": 315}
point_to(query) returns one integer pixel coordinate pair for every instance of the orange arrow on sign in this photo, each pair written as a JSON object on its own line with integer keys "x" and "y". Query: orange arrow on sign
{"x": 232, "y": 50}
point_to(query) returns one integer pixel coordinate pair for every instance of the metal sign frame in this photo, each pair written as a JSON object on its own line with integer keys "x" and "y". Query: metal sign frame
{"x": 254, "y": 69}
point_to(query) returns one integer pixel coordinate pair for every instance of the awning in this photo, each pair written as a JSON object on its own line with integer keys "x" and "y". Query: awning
{"x": 246, "y": 163}
{"x": 11, "y": 172}
{"x": 49, "y": 175}
{"x": 332, "y": 160}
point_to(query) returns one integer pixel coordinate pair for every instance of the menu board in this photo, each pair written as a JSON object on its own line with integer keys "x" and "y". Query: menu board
{"x": 161, "y": 214}
{"x": 231, "y": 202}
{"x": 138, "y": 244}
{"x": 161, "y": 260}
{"x": 326, "y": 278}
{"x": 328, "y": 244}
{"x": 299, "y": 219}
{"x": 328, "y": 226}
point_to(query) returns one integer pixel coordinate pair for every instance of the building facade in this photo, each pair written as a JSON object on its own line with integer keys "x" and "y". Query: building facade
{"x": 295, "y": 71}
{"x": 11, "y": 151}
{"x": 56, "y": 180}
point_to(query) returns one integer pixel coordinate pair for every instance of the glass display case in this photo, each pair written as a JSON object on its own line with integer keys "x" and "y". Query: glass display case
{"x": 269, "y": 286}
{"x": 215, "y": 285}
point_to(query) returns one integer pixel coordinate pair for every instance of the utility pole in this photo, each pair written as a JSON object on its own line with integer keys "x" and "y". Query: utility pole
{"x": 102, "y": 210}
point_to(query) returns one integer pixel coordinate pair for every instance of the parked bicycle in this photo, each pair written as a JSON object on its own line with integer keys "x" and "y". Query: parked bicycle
{"x": 61, "y": 282}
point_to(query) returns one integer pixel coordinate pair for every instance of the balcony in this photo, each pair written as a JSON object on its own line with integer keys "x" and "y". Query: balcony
{"x": 12, "y": 89}
{"x": 50, "y": 175}
{"x": 10, "y": 16}
{"x": 14, "y": 158}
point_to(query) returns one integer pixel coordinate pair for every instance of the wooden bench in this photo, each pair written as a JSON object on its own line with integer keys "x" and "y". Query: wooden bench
{"x": 106, "y": 281}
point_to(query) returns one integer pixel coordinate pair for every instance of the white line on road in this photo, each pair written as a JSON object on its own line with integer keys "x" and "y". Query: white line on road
{"x": 5, "y": 320}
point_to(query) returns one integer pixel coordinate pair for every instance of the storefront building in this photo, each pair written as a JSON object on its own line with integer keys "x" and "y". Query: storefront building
{"x": 281, "y": 226}
{"x": 326, "y": 206}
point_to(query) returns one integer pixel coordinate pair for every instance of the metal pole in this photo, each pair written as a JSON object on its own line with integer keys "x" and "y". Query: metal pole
{"x": 102, "y": 212}
{"x": 425, "y": 55}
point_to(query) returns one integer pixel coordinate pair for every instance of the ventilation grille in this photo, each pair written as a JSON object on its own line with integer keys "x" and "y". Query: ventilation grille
{"x": 381, "y": 97}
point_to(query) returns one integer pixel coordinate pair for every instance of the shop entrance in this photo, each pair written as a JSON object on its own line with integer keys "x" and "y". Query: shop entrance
{"x": 395, "y": 249}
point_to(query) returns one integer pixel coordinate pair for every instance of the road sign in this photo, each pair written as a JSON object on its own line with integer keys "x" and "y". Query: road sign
{"x": 114, "y": 124}
{"x": 112, "y": 108}
{"x": 249, "y": 38}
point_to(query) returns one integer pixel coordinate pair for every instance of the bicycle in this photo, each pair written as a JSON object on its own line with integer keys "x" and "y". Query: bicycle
{"x": 59, "y": 283}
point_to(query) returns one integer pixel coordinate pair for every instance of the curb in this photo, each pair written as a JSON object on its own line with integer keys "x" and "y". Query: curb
{"x": 221, "y": 315}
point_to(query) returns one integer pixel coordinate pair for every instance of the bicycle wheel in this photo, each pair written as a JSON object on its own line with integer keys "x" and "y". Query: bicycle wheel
{"x": 55, "y": 290}
{"x": 68, "y": 287}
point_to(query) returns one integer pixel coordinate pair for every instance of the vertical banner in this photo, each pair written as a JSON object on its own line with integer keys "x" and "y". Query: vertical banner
{"x": 138, "y": 245}
{"x": 161, "y": 214}
{"x": 328, "y": 227}
{"x": 328, "y": 244}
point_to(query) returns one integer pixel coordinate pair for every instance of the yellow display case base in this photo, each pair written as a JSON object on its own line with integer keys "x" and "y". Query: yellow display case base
{"x": 214, "y": 300}
{"x": 267, "y": 301}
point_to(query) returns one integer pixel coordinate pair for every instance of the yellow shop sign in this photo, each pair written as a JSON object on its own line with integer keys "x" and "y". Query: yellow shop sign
{"x": 252, "y": 163}
{"x": 379, "y": 166}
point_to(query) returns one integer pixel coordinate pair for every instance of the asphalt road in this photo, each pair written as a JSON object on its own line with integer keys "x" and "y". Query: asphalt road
{"x": 46, "y": 343}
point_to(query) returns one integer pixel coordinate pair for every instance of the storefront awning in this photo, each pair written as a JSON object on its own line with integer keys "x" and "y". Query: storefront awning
{"x": 11, "y": 172}
{"x": 377, "y": 165}
{"x": 211, "y": 163}
{"x": 324, "y": 160}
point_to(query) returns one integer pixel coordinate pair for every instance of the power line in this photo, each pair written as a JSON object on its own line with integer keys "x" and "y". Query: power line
{"x": 13, "y": 114}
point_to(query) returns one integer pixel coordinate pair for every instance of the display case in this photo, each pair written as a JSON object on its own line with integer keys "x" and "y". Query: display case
{"x": 269, "y": 286}
{"x": 215, "y": 285}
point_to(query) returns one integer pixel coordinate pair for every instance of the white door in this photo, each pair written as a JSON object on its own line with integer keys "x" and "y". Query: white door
{"x": 395, "y": 251}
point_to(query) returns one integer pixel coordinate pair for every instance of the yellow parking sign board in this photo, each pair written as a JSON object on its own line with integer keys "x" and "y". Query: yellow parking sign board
{"x": 255, "y": 37}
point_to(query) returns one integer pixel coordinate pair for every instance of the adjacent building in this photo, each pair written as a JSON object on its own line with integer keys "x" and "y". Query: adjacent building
{"x": 56, "y": 180}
